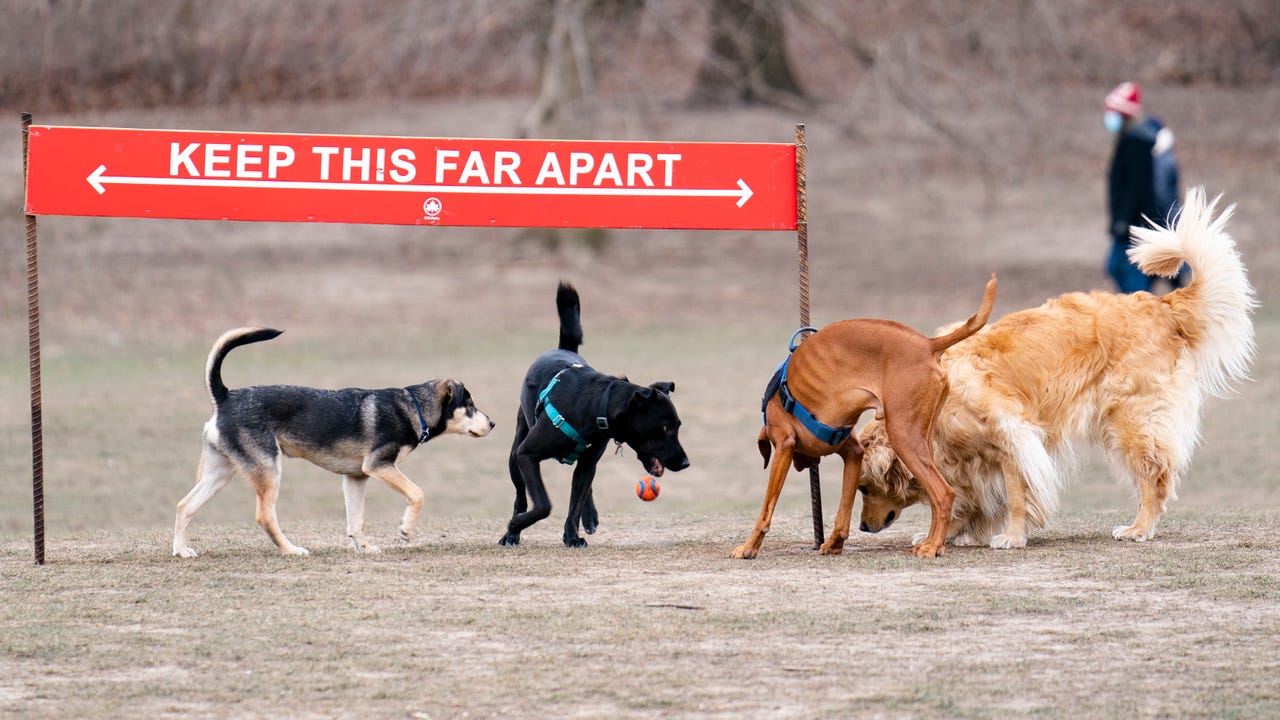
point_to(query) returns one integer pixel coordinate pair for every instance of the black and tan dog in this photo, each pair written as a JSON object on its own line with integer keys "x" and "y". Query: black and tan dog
{"x": 353, "y": 432}
{"x": 570, "y": 412}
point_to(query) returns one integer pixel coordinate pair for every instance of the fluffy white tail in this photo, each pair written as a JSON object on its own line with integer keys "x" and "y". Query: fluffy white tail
{"x": 1215, "y": 307}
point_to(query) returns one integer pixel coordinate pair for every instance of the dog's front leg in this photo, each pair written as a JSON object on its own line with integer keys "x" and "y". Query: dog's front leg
{"x": 777, "y": 476}
{"x": 527, "y": 466}
{"x": 1015, "y": 494}
{"x": 590, "y": 516}
{"x": 391, "y": 475}
{"x": 583, "y": 473}
{"x": 353, "y": 488}
{"x": 851, "y": 453}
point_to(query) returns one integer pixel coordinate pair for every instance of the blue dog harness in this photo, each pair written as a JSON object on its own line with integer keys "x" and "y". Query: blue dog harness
{"x": 558, "y": 420}
{"x": 778, "y": 386}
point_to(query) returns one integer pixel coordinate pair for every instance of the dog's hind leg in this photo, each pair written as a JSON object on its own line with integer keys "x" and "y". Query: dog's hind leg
{"x": 583, "y": 473}
{"x": 910, "y": 442}
{"x": 353, "y": 487}
{"x": 527, "y": 466}
{"x": 851, "y": 453}
{"x": 522, "y": 499}
{"x": 1156, "y": 476}
{"x": 1144, "y": 442}
{"x": 266, "y": 482}
{"x": 777, "y": 476}
{"x": 214, "y": 473}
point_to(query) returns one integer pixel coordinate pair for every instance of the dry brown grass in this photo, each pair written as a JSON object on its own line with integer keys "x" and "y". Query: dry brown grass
{"x": 654, "y": 620}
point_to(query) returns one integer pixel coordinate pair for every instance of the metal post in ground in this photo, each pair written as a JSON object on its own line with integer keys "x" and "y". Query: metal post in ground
{"x": 33, "y": 360}
{"x": 802, "y": 248}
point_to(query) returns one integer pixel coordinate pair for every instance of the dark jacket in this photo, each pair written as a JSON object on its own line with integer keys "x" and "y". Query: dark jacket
{"x": 1130, "y": 183}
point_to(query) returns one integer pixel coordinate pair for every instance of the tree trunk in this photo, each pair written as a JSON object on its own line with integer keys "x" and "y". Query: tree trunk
{"x": 746, "y": 58}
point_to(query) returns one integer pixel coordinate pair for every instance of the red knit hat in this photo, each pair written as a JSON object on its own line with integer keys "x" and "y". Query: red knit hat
{"x": 1126, "y": 99}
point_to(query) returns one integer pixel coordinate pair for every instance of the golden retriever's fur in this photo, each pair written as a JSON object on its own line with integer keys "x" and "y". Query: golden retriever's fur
{"x": 1128, "y": 372}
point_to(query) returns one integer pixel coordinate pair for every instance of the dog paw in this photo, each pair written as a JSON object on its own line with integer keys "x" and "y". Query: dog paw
{"x": 576, "y": 542}
{"x": 589, "y": 525}
{"x": 833, "y": 546}
{"x": 295, "y": 550}
{"x": 1005, "y": 542}
{"x": 186, "y": 552}
{"x": 509, "y": 540}
{"x": 927, "y": 550}
{"x": 743, "y": 552}
{"x": 369, "y": 549}
{"x": 406, "y": 535}
{"x": 1131, "y": 532}
{"x": 918, "y": 538}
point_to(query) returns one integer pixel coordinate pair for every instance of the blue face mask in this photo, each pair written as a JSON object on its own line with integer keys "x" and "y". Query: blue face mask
{"x": 1112, "y": 121}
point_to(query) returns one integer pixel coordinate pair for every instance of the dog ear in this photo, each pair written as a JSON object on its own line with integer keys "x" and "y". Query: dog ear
{"x": 640, "y": 398}
{"x": 444, "y": 393}
{"x": 666, "y": 387}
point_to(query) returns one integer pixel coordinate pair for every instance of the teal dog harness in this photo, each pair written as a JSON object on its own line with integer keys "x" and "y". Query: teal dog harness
{"x": 558, "y": 420}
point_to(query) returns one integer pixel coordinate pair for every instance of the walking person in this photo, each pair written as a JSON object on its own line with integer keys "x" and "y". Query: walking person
{"x": 1131, "y": 180}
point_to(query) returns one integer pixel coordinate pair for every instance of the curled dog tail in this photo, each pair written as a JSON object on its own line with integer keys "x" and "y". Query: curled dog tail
{"x": 570, "y": 317}
{"x": 230, "y": 340}
{"x": 973, "y": 324}
{"x": 1213, "y": 310}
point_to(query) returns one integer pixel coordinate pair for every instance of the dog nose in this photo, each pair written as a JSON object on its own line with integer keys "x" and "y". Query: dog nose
{"x": 684, "y": 463}
{"x": 492, "y": 424}
{"x": 863, "y": 526}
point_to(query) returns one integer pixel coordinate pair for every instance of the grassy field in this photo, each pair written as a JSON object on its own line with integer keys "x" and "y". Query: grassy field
{"x": 653, "y": 619}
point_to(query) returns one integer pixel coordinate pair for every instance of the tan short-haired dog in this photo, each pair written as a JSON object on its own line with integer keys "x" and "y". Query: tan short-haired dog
{"x": 840, "y": 372}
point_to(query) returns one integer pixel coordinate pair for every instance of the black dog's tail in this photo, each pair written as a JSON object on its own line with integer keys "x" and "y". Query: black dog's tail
{"x": 570, "y": 317}
{"x": 230, "y": 340}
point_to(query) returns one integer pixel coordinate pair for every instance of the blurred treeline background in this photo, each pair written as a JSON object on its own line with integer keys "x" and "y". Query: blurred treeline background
{"x": 74, "y": 55}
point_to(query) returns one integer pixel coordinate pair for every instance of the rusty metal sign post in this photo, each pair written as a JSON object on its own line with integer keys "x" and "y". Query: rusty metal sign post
{"x": 33, "y": 360}
{"x": 802, "y": 251}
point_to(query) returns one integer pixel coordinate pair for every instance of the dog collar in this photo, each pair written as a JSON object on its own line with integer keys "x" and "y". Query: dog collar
{"x": 426, "y": 431}
{"x": 558, "y": 420}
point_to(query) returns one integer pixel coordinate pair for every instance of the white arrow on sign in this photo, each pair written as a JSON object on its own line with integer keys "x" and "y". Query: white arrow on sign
{"x": 99, "y": 180}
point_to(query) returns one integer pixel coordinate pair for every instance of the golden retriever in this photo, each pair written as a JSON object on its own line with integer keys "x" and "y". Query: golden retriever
{"x": 1127, "y": 372}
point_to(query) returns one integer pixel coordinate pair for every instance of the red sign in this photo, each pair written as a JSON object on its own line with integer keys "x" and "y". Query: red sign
{"x": 409, "y": 181}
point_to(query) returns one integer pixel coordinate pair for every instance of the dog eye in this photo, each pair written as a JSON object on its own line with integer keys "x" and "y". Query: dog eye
{"x": 863, "y": 489}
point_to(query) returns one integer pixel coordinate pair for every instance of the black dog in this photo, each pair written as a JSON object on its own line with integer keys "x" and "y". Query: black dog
{"x": 570, "y": 412}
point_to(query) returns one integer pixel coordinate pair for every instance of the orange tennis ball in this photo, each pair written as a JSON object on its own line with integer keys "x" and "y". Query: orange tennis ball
{"x": 647, "y": 489}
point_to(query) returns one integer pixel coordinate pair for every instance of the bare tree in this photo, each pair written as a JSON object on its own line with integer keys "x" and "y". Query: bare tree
{"x": 566, "y": 84}
{"x": 746, "y": 58}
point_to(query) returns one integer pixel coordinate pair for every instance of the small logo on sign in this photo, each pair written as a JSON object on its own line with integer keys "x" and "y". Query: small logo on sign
{"x": 432, "y": 207}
